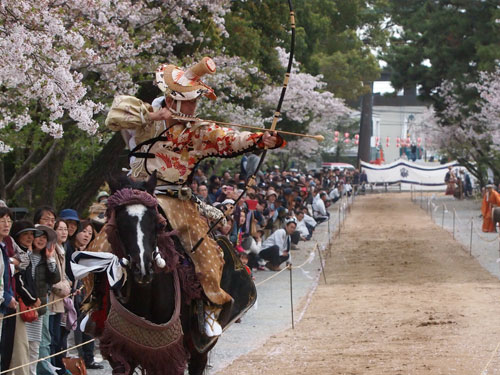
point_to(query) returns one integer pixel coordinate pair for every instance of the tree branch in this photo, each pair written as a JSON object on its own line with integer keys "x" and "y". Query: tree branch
{"x": 37, "y": 168}
{"x": 23, "y": 167}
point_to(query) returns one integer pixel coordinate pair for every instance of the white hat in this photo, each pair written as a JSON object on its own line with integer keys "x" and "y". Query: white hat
{"x": 185, "y": 85}
{"x": 271, "y": 192}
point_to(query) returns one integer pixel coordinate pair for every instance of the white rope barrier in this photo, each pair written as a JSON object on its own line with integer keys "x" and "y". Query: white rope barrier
{"x": 343, "y": 209}
{"x": 431, "y": 207}
{"x": 48, "y": 357}
{"x": 310, "y": 258}
{"x": 41, "y": 306}
{"x": 485, "y": 370}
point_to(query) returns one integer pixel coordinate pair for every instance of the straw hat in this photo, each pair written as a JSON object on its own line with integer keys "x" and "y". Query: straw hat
{"x": 271, "y": 192}
{"x": 185, "y": 85}
{"x": 49, "y": 232}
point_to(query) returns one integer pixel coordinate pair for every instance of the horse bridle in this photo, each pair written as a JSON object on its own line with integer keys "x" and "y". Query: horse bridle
{"x": 125, "y": 197}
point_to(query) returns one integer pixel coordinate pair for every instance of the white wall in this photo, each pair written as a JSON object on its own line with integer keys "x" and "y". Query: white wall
{"x": 394, "y": 122}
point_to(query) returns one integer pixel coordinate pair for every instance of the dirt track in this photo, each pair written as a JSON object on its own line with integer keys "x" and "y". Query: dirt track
{"x": 402, "y": 298}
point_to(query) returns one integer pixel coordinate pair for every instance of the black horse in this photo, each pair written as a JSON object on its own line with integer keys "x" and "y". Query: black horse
{"x": 155, "y": 320}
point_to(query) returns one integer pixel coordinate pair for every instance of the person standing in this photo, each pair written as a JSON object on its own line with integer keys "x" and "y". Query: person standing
{"x": 491, "y": 199}
{"x": 22, "y": 232}
{"x": 80, "y": 242}
{"x": 9, "y": 304}
{"x": 450, "y": 180}
{"x": 62, "y": 289}
{"x": 44, "y": 273}
{"x": 45, "y": 215}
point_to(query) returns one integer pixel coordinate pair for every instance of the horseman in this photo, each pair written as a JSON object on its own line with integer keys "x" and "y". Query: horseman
{"x": 172, "y": 147}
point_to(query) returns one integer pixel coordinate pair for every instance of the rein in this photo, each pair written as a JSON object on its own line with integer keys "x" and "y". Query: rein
{"x": 126, "y": 197}
{"x": 165, "y": 256}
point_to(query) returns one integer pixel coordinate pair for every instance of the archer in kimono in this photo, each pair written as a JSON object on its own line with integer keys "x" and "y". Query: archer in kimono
{"x": 183, "y": 144}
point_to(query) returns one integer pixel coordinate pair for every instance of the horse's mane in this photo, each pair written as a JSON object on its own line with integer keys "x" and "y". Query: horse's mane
{"x": 122, "y": 181}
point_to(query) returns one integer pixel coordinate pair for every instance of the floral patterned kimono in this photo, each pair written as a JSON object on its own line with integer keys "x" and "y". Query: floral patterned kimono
{"x": 175, "y": 157}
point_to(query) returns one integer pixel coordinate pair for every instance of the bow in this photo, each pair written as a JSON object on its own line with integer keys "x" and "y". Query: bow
{"x": 251, "y": 180}
{"x": 277, "y": 112}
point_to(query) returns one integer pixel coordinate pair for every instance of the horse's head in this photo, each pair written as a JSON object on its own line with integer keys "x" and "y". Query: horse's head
{"x": 136, "y": 221}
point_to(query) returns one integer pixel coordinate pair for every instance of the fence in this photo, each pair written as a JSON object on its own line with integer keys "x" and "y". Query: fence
{"x": 335, "y": 224}
{"x": 462, "y": 219}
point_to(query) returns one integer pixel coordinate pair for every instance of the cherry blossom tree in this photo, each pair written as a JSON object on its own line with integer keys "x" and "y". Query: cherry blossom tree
{"x": 469, "y": 130}
{"x": 247, "y": 96}
{"x": 310, "y": 106}
{"x": 63, "y": 61}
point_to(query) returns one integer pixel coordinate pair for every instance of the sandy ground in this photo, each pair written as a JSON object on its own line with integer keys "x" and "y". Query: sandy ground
{"x": 402, "y": 297}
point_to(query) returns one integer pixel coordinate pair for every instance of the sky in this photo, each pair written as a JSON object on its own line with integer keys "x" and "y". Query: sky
{"x": 382, "y": 87}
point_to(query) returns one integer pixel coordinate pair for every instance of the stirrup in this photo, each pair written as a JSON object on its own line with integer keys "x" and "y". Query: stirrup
{"x": 212, "y": 326}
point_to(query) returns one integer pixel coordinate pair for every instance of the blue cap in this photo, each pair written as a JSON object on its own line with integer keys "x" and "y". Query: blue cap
{"x": 69, "y": 214}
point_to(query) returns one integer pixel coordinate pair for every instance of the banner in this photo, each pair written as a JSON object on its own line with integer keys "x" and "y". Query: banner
{"x": 408, "y": 173}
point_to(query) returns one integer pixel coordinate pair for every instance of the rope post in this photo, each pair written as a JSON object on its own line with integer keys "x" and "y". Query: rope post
{"x": 430, "y": 209}
{"x": 321, "y": 262}
{"x": 471, "y": 228}
{"x": 339, "y": 221}
{"x": 329, "y": 235}
{"x": 442, "y": 221}
{"x": 289, "y": 265}
{"x": 343, "y": 214}
{"x": 454, "y": 214}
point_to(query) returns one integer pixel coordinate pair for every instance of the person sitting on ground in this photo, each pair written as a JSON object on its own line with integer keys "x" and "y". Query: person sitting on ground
{"x": 310, "y": 222}
{"x": 320, "y": 214}
{"x": 305, "y": 232}
{"x": 334, "y": 194}
{"x": 276, "y": 248}
{"x": 252, "y": 244}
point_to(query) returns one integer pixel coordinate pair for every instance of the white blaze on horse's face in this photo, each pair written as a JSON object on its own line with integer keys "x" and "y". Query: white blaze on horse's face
{"x": 138, "y": 210}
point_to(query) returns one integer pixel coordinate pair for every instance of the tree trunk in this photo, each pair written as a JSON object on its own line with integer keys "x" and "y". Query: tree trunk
{"x": 3, "y": 194}
{"x": 108, "y": 162}
{"x": 365, "y": 130}
{"x": 51, "y": 177}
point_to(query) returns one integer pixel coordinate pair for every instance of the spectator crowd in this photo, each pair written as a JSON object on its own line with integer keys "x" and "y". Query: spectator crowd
{"x": 279, "y": 210}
